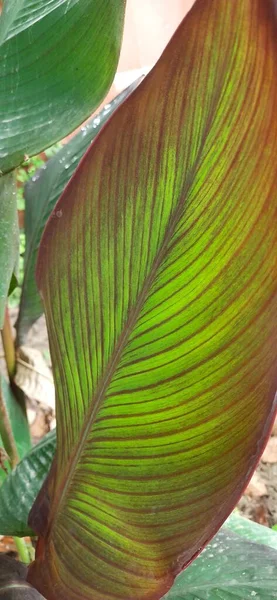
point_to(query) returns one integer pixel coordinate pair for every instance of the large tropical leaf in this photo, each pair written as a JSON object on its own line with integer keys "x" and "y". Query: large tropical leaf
{"x": 41, "y": 194}
{"x": 159, "y": 283}
{"x": 9, "y": 237}
{"x": 20, "y": 488}
{"x": 57, "y": 61}
{"x": 230, "y": 568}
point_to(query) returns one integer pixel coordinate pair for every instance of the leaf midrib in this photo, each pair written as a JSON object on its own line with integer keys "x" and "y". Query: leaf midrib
{"x": 99, "y": 395}
{"x": 111, "y": 367}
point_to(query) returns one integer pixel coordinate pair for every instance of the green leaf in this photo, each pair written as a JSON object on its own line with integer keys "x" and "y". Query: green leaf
{"x": 57, "y": 61}
{"x": 9, "y": 238}
{"x": 16, "y": 414}
{"x": 20, "y": 488}
{"x": 4, "y": 462}
{"x": 14, "y": 281}
{"x": 230, "y": 568}
{"x": 41, "y": 194}
{"x": 252, "y": 531}
{"x": 159, "y": 283}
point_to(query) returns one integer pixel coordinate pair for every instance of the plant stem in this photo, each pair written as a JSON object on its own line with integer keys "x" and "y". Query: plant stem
{"x": 8, "y": 346}
{"x": 9, "y": 352}
{"x": 23, "y": 550}
{"x": 9, "y": 437}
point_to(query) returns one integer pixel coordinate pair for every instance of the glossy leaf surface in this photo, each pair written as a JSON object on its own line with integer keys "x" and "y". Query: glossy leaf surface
{"x": 160, "y": 290}
{"x": 41, "y": 194}
{"x": 20, "y": 488}
{"x": 252, "y": 531}
{"x": 230, "y": 568}
{"x": 57, "y": 61}
{"x": 8, "y": 237}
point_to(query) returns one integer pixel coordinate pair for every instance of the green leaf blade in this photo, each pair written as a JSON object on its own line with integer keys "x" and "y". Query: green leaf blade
{"x": 229, "y": 568}
{"x": 252, "y": 531}
{"x": 17, "y": 417}
{"x": 63, "y": 52}
{"x": 162, "y": 323}
{"x": 22, "y": 485}
{"x": 41, "y": 195}
{"x": 9, "y": 236}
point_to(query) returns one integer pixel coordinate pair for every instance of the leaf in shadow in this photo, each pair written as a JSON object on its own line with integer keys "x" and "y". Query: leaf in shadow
{"x": 13, "y": 585}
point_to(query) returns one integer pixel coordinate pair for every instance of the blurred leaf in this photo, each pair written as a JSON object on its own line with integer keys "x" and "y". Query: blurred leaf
{"x": 41, "y": 194}
{"x": 57, "y": 62}
{"x": 13, "y": 283}
{"x": 4, "y": 462}
{"x": 159, "y": 282}
{"x": 17, "y": 419}
{"x": 252, "y": 531}
{"x": 230, "y": 568}
{"x": 9, "y": 239}
{"x": 20, "y": 488}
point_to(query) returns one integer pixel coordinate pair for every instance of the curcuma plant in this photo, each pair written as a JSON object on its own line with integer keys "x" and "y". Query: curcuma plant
{"x": 158, "y": 277}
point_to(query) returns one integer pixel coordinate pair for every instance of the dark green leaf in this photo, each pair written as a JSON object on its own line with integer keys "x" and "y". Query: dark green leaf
{"x": 230, "y": 568}
{"x": 252, "y": 531}
{"x": 9, "y": 237}
{"x": 41, "y": 194}
{"x": 13, "y": 282}
{"x": 17, "y": 418}
{"x": 20, "y": 488}
{"x": 57, "y": 61}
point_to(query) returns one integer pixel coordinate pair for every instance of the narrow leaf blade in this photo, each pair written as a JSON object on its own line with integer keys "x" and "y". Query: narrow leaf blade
{"x": 17, "y": 417}
{"x": 9, "y": 236}
{"x": 162, "y": 324}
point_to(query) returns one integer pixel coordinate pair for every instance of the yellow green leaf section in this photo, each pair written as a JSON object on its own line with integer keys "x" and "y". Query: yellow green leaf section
{"x": 158, "y": 274}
